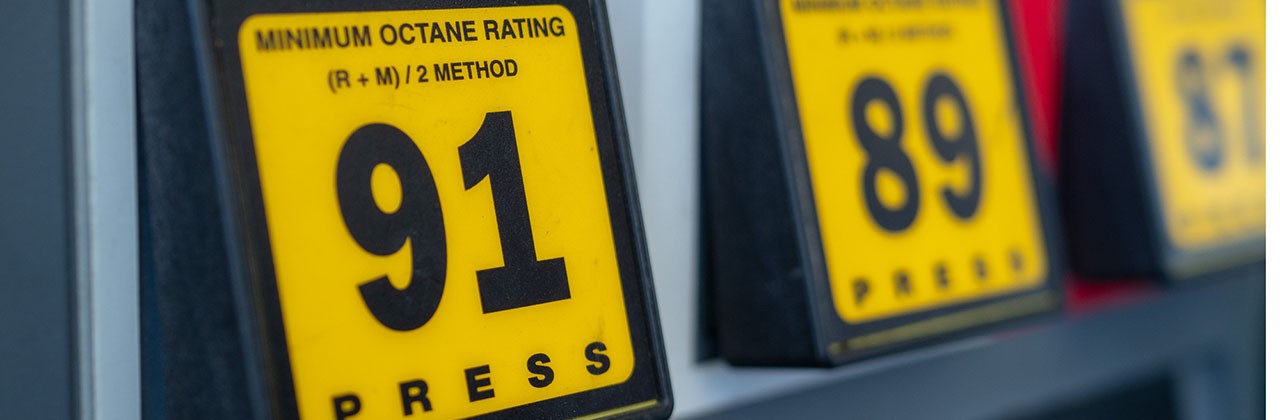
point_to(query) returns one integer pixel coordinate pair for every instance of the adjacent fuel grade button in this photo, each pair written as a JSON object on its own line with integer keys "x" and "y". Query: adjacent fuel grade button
{"x": 436, "y": 212}
{"x": 872, "y": 183}
{"x": 1163, "y": 136}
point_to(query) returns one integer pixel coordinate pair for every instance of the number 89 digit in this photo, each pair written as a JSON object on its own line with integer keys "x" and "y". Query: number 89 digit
{"x": 884, "y": 152}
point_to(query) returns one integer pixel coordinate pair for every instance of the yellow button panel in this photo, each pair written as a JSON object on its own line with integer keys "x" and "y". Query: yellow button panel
{"x": 917, "y": 154}
{"x": 447, "y": 214}
{"x": 871, "y": 179}
{"x": 1198, "y": 68}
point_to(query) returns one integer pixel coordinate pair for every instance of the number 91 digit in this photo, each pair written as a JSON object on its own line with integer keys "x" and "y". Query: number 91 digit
{"x": 418, "y": 222}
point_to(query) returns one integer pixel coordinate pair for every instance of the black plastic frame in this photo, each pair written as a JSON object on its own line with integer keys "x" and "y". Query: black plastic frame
{"x": 647, "y": 393}
{"x": 783, "y": 336}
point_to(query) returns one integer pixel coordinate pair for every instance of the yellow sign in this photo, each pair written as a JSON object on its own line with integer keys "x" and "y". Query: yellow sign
{"x": 436, "y": 207}
{"x": 1198, "y": 67}
{"x": 917, "y": 153}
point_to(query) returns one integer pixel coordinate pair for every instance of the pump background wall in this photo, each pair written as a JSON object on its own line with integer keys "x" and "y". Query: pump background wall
{"x": 37, "y": 328}
{"x": 68, "y": 254}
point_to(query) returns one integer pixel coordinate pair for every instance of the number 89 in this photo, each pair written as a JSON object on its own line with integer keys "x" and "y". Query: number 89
{"x": 884, "y": 150}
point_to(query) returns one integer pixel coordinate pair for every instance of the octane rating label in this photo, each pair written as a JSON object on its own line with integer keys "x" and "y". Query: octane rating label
{"x": 1198, "y": 67}
{"x": 436, "y": 208}
{"x": 917, "y": 153}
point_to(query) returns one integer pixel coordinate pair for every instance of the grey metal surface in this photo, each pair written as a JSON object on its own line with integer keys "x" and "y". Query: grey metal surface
{"x": 108, "y": 206}
{"x": 1206, "y": 336}
{"x": 36, "y": 259}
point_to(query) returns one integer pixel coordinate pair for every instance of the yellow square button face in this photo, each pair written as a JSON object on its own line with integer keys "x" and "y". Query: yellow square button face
{"x": 917, "y": 154}
{"x": 1198, "y": 69}
{"x": 436, "y": 206}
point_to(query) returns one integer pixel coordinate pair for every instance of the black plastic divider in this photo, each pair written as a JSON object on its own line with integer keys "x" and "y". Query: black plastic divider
{"x": 192, "y": 363}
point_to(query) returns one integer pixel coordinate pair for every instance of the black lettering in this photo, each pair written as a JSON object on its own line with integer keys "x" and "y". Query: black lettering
{"x": 422, "y": 29}
{"x": 292, "y": 40}
{"x": 902, "y": 283}
{"x": 523, "y": 280}
{"x": 538, "y": 365}
{"x": 1242, "y": 62}
{"x": 442, "y": 72}
{"x": 600, "y": 361}
{"x": 342, "y": 38}
{"x": 860, "y": 291}
{"x": 266, "y": 42}
{"x": 507, "y": 31}
{"x": 490, "y": 29}
{"x": 963, "y": 148}
{"x": 345, "y": 406}
{"x": 557, "y": 26}
{"x": 538, "y": 27}
{"x": 944, "y": 281}
{"x": 321, "y": 39}
{"x": 384, "y": 76}
{"x": 980, "y": 268}
{"x": 309, "y": 38}
{"x": 475, "y": 382}
{"x": 1203, "y": 134}
{"x": 418, "y": 223}
{"x": 469, "y": 30}
{"x": 436, "y": 34}
{"x": 341, "y": 78}
{"x": 361, "y": 37}
{"x": 885, "y": 155}
{"x": 387, "y": 29}
{"x": 411, "y": 392}
{"x": 456, "y": 71}
{"x": 512, "y": 68}
{"x": 454, "y": 31}
{"x": 520, "y": 26}
{"x": 406, "y": 39}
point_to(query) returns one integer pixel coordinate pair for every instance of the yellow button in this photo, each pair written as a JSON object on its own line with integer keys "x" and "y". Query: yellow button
{"x": 1198, "y": 72}
{"x": 436, "y": 204}
{"x": 917, "y": 154}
